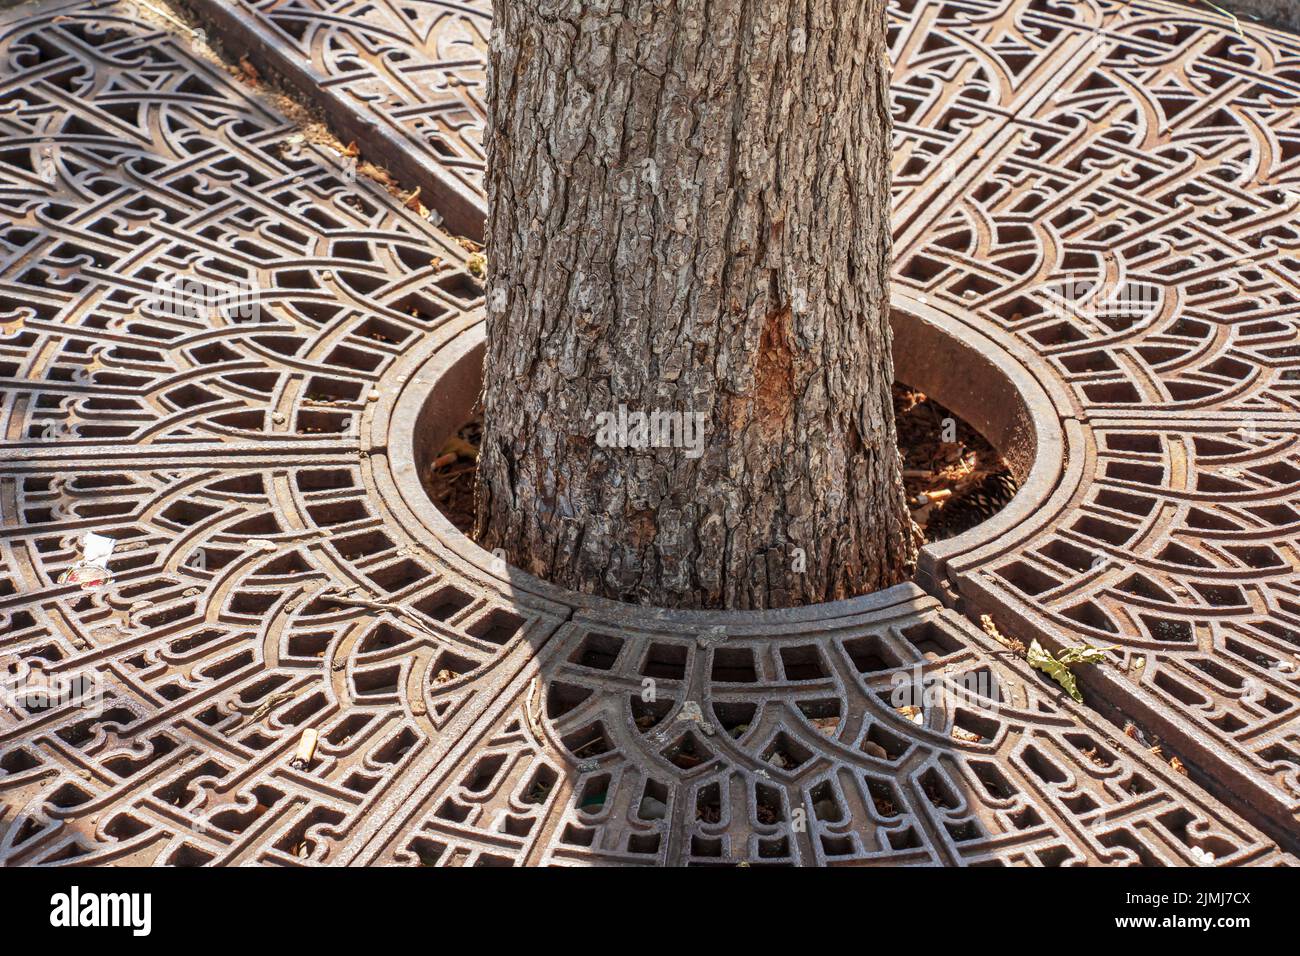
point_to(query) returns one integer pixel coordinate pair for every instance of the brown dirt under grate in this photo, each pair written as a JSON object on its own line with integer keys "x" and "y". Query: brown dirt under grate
{"x": 951, "y": 485}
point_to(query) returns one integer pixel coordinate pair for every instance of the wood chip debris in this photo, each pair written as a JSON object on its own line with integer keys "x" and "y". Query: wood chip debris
{"x": 954, "y": 479}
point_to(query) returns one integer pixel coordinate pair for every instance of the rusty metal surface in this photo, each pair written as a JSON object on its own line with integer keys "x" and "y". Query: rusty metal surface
{"x": 225, "y": 455}
{"x": 1143, "y": 147}
{"x": 781, "y": 741}
{"x": 1157, "y": 153}
{"x": 255, "y": 468}
{"x": 404, "y": 78}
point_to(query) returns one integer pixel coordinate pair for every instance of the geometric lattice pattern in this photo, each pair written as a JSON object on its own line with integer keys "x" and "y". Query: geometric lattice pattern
{"x": 796, "y": 744}
{"x": 1137, "y": 149}
{"x": 226, "y": 453}
{"x": 265, "y": 583}
{"x": 405, "y": 78}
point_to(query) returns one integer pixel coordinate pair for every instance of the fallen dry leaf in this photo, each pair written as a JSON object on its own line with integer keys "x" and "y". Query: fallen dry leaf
{"x": 249, "y": 71}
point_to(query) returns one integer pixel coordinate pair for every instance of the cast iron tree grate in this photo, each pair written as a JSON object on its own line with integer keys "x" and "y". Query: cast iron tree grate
{"x": 269, "y": 578}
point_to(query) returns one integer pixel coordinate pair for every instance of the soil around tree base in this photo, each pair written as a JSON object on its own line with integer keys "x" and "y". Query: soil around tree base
{"x": 954, "y": 478}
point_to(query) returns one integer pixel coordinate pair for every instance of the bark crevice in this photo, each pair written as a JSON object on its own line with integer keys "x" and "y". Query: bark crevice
{"x": 689, "y": 217}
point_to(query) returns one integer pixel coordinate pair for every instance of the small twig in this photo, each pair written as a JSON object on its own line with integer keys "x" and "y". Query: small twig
{"x": 361, "y": 602}
{"x": 1236, "y": 24}
{"x": 594, "y": 740}
{"x": 531, "y": 716}
{"x": 400, "y": 610}
{"x": 265, "y": 708}
{"x": 455, "y": 474}
{"x": 167, "y": 16}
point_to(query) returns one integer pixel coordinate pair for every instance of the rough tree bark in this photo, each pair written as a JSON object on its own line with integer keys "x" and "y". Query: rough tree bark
{"x": 689, "y": 213}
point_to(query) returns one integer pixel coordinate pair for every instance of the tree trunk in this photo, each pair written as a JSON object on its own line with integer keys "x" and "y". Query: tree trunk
{"x": 690, "y": 219}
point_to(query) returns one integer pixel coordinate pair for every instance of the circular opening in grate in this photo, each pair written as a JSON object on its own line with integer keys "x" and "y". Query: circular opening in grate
{"x": 955, "y": 360}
